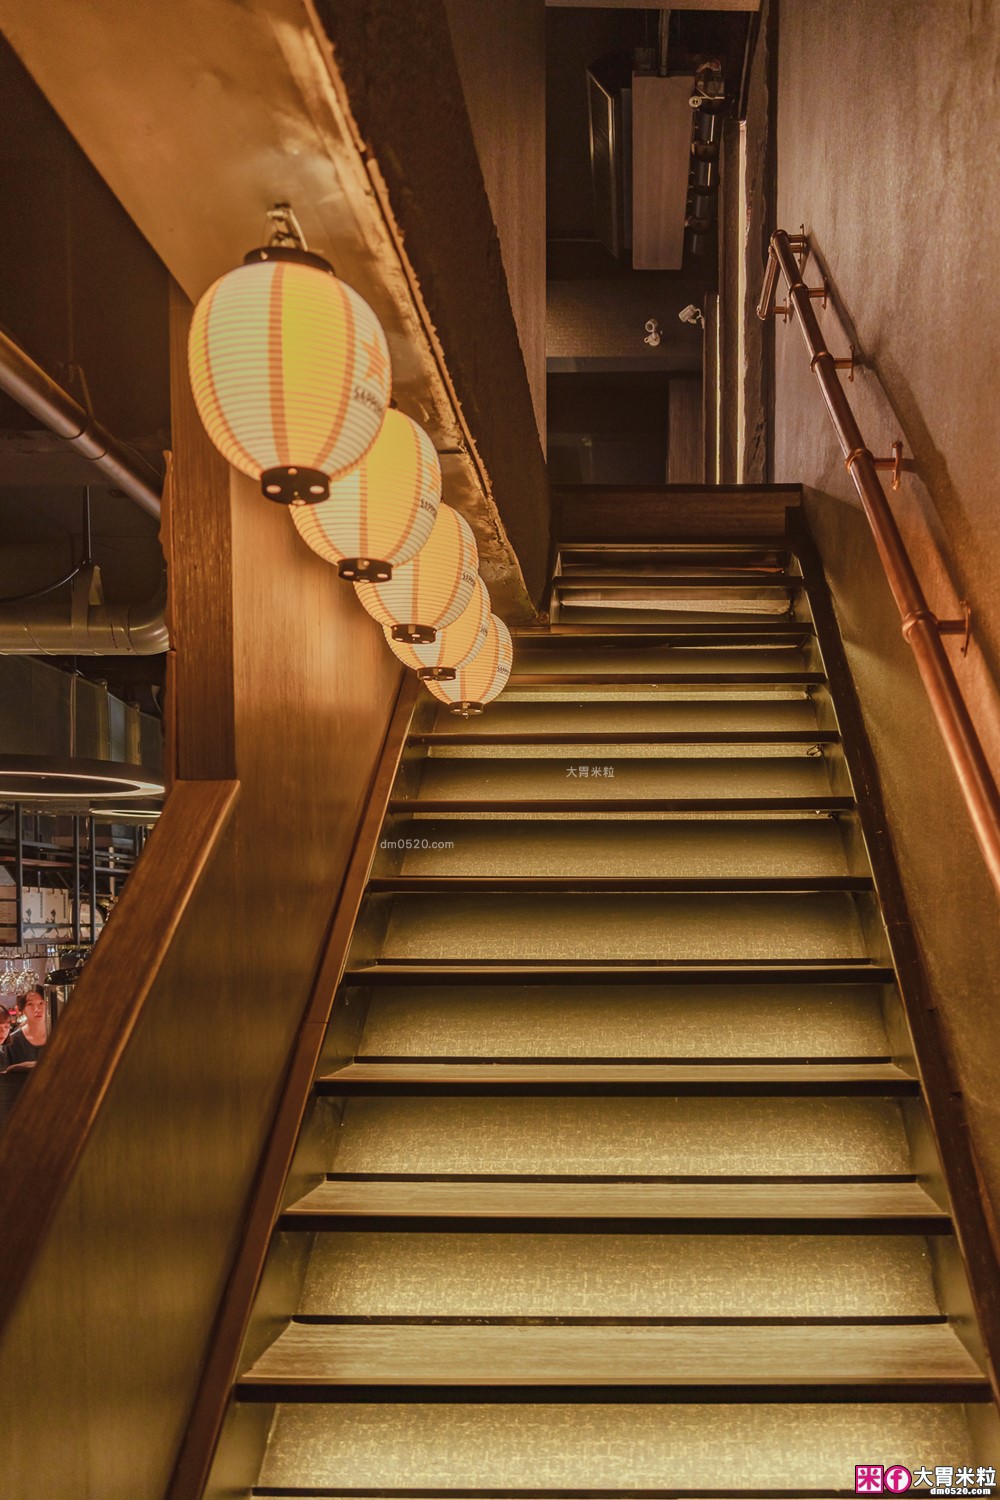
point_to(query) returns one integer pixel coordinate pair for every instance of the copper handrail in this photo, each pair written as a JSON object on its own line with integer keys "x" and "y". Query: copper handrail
{"x": 921, "y": 627}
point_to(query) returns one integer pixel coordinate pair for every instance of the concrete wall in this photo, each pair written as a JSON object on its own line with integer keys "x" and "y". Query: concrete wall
{"x": 500, "y": 51}
{"x": 886, "y": 150}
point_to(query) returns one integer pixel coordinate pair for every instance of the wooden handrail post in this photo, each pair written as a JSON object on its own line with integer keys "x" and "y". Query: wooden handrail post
{"x": 921, "y": 627}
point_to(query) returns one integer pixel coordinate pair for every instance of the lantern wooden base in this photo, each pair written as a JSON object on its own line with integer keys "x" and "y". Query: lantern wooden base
{"x": 365, "y": 570}
{"x": 436, "y": 674}
{"x": 414, "y": 635}
{"x": 286, "y": 485}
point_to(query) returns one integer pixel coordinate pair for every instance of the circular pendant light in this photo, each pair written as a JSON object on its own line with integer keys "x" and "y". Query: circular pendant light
{"x": 382, "y": 512}
{"x": 483, "y": 678}
{"x": 290, "y": 372}
{"x": 453, "y": 646}
{"x": 428, "y": 593}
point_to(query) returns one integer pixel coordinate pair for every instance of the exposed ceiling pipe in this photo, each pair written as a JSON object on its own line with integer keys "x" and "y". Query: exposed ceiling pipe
{"x": 39, "y": 394}
{"x": 76, "y": 627}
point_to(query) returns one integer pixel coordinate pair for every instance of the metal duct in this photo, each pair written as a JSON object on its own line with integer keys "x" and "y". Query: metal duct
{"x": 38, "y": 393}
{"x": 80, "y": 628}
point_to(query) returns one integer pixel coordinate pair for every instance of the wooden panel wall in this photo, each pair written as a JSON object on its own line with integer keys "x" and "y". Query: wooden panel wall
{"x": 279, "y": 668}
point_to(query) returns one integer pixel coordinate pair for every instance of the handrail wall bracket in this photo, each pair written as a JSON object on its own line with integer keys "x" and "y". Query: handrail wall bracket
{"x": 921, "y": 627}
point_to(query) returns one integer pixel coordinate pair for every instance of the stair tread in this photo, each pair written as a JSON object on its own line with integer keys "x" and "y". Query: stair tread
{"x": 584, "y": 803}
{"x": 733, "y": 580}
{"x": 666, "y": 884}
{"x": 413, "y": 1199}
{"x": 638, "y": 678}
{"x": 405, "y": 972}
{"x": 596, "y": 1071}
{"x": 629, "y": 737}
{"x": 671, "y": 1449}
{"x": 578, "y": 1355}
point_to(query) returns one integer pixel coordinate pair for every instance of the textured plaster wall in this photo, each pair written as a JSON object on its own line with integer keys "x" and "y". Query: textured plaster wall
{"x": 888, "y": 159}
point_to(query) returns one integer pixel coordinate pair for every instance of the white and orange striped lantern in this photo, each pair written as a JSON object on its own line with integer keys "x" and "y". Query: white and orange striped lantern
{"x": 430, "y": 592}
{"x": 381, "y": 513}
{"x": 454, "y": 646}
{"x": 483, "y": 678}
{"x": 290, "y": 372}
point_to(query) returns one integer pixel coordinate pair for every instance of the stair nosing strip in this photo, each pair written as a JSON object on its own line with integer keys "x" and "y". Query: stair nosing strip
{"x": 620, "y": 884}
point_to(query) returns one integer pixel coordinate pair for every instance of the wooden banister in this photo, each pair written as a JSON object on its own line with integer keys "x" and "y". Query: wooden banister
{"x": 48, "y": 1132}
{"x": 921, "y": 627}
{"x": 221, "y": 1366}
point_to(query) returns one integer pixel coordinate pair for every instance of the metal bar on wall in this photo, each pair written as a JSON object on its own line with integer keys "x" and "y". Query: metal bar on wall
{"x": 18, "y": 874}
{"x": 76, "y": 877}
{"x": 93, "y": 879}
{"x": 921, "y": 627}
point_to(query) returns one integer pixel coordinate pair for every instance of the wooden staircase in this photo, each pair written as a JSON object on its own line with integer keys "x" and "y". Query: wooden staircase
{"x": 618, "y": 1178}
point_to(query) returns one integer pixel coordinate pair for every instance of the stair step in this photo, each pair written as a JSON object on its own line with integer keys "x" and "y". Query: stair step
{"x": 666, "y": 885}
{"x": 640, "y": 1277}
{"x": 545, "y": 925}
{"x": 891, "y": 1204}
{"x": 777, "y": 781}
{"x": 596, "y": 1078}
{"x": 613, "y": 806}
{"x": 670, "y": 609}
{"x": 675, "y": 714}
{"x": 676, "y": 1135}
{"x": 660, "y": 554}
{"x": 708, "y": 737}
{"x": 747, "y": 583}
{"x": 527, "y": 681}
{"x": 593, "y": 659}
{"x": 736, "y": 632}
{"x": 920, "y": 1357}
{"x": 729, "y": 853}
{"x": 524, "y": 1019}
{"x": 661, "y": 1451}
{"x": 500, "y": 972}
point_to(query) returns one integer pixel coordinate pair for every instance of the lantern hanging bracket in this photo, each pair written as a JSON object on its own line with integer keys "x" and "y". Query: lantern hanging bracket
{"x": 285, "y": 227}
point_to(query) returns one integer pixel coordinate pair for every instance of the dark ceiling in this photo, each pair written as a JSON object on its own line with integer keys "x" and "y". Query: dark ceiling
{"x": 82, "y": 292}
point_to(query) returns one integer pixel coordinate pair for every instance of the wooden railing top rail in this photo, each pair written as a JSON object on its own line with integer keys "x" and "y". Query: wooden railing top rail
{"x": 48, "y": 1132}
{"x": 921, "y": 627}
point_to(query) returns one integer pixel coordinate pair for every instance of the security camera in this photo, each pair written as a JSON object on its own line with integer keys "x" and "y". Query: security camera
{"x": 652, "y": 333}
{"x": 692, "y": 314}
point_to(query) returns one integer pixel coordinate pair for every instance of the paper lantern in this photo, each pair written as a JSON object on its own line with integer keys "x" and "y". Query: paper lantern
{"x": 425, "y": 595}
{"x": 483, "y": 678}
{"x": 290, "y": 372}
{"x": 382, "y": 512}
{"x": 453, "y": 646}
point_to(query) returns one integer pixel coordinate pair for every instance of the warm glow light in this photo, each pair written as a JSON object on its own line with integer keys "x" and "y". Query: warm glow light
{"x": 382, "y": 512}
{"x": 483, "y": 678}
{"x": 454, "y": 646}
{"x": 290, "y": 372}
{"x": 425, "y": 595}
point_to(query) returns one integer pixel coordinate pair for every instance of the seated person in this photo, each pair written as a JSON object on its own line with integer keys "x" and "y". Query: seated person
{"x": 25, "y": 1046}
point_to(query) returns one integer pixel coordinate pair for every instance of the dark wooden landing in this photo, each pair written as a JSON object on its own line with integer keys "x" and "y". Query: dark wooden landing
{"x": 634, "y": 513}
